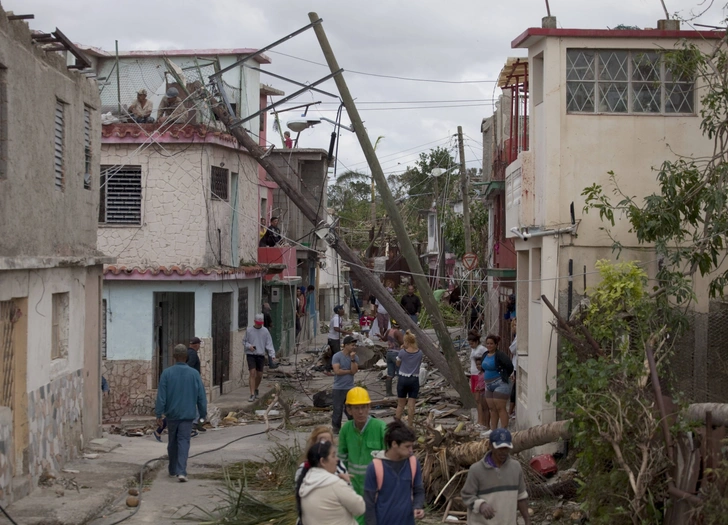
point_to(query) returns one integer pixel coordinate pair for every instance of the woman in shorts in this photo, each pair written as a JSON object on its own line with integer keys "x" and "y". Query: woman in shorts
{"x": 497, "y": 369}
{"x": 409, "y": 360}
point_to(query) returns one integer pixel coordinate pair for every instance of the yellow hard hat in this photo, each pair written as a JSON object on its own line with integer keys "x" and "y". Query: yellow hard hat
{"x": 358, "y": 396}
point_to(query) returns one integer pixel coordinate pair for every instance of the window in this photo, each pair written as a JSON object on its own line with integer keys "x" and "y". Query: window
{"x": 219, "y": 183}
{"x": 59, "y": 338}
{"x": 104, "y": 308}
{"x": 242, "y": 308}
{"x": 121, "y": 195}
{"x": 627, "y": 82}
{"x": 87, "y": 148}
{"x": 58, "y": 144}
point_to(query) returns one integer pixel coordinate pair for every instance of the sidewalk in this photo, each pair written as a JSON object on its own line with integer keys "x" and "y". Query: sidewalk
{"x": 103, "y": 481}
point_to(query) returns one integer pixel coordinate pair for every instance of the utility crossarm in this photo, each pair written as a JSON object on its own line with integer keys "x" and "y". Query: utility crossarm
{"x": 218, "y": 74}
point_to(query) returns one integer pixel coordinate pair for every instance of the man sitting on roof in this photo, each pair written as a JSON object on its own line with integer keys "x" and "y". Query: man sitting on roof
{"x": 141, "y": 109}
{"x": 172, "y": 109}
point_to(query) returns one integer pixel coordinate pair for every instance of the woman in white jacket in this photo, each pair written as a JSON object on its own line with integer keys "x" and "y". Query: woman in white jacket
{"x": 325, "y": 498}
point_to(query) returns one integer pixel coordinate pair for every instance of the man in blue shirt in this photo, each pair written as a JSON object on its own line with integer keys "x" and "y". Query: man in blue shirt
{"x": 393, "y": 488}
{"x": 180, "y": 393}
{"x": 345, "y": 364}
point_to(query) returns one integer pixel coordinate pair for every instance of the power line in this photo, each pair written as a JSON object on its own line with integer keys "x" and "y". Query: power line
{"x": 416, "y": 107}
{"x": 408, "y": 101}
{"x": 379, "y": 75}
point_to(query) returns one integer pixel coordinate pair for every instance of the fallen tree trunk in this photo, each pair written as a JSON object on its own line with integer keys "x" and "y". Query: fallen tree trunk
{"x": 719, "y": 411}
{"x": 468, "y": 453}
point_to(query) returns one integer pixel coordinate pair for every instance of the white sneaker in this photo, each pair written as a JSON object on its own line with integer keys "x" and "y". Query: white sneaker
{"x": 485, "y": 434}
{"x": 251, "y": 398}
{"x": 182, "y": 479}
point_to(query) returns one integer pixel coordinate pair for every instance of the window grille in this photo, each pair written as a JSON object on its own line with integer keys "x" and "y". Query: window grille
{"x": 87, "y": 148}
{"x": 120, "y": 195}
{"x": 626, "y": 82}
{"x": 242, "y": 308}
{"x": 103, "y": 328}
{"x": 219, "y": 183}
{"x": 59, "y": 140}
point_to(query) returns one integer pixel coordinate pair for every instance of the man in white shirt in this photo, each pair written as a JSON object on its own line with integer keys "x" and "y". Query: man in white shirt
{"x": 335, "y": 332}
{"x": 257, "y": 343}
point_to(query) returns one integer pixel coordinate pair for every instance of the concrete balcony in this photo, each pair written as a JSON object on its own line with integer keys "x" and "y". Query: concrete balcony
{"x": 519, "y": 193}
{"x": 279, "y": 260}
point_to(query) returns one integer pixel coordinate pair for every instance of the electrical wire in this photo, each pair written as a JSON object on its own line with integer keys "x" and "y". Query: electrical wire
{"x": 389, "y": 76}
{"x": 160, "y": 458}
{"x": 8, "y": 516}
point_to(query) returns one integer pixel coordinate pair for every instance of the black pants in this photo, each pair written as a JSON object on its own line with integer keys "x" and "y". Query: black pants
{"x": 339, "y": 399}
{"x": 335, "y": 346}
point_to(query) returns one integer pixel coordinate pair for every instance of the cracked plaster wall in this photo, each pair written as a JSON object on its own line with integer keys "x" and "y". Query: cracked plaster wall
{"x": 176, "y": 204}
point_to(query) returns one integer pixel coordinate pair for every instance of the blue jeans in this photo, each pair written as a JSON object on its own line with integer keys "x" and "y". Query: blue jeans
{"x": 392, "y": 362}
{"x": 414, "y": 318}
{"x": 178, "y": 446}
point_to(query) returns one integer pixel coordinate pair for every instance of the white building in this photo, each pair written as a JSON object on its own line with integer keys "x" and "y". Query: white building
{"x": 598, "y": 101}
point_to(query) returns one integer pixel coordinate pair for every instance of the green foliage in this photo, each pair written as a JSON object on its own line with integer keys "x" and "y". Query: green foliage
{"x": 715, "y": 494}
{"x": 454, "y": 230}
{"x": 608, "y": 396}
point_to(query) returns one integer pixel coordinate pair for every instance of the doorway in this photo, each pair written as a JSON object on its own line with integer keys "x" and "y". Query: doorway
{"x": 221, "y": 319}
{"x": 174, "y": 324}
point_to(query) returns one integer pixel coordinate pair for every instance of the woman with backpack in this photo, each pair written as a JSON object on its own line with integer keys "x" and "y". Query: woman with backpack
{"x": 497, "y": 369}
{"x": 322, "y": 497}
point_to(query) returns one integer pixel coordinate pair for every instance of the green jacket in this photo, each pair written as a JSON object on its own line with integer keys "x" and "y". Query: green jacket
{"x": 355, "y": 448}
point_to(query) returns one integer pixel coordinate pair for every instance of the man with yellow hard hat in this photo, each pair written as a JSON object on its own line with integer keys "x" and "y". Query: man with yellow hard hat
{"x": 359, "y": 438}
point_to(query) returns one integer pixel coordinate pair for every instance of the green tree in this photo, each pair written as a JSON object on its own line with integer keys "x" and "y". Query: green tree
{"x": 454, "y": 230}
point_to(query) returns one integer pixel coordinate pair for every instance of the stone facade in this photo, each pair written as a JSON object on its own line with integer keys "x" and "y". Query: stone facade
{"x": 129, "y": 389}
{"x": 56, "y": 434}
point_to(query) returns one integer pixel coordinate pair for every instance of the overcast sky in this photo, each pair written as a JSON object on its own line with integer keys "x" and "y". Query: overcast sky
{"x": 453, "y": 40}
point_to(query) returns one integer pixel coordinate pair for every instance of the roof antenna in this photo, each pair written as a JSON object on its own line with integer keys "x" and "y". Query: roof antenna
{"x": 667, "y": 15}
{"x": 548, "y": 9}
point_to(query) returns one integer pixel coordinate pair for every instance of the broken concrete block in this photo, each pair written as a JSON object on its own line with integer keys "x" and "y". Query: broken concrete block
{"x": 101, "y": 445}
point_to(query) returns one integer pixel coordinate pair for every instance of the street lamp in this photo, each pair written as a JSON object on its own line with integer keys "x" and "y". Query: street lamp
{"x": 304, "y": 122}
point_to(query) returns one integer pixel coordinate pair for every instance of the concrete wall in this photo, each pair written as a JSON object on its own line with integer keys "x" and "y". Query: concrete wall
{"x": 63, "y": 395}
{"x": 179, "y": 219}
{"x": 35, "y": 217}
{"x": 130, "y": 338}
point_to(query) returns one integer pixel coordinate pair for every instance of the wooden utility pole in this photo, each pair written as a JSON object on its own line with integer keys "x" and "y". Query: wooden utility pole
{"x": 458, "y": 379}
{"x": 363, "y": 274}
{"x": 466, "y": 205}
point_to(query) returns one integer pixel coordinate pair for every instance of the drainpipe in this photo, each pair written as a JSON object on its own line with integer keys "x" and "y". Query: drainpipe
{"x": 524, "y": 234}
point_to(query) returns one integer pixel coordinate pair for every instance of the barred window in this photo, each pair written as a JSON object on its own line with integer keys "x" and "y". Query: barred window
{"x": 120, "y": 195}
{"x": 59, "y": 139}
{"x": 629, "y": 82}
{"x": 87, "y": 148}
{"x": 219, "y": 183}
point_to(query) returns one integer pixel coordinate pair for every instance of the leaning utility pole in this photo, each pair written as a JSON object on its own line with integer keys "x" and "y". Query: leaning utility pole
{"x": 458, "y": 380}
{"x": 452, "y": 374}
{"x": 466, "y": 204}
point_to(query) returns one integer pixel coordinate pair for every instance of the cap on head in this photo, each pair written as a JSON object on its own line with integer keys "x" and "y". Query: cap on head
{"x": 358, "y": 396}
{"x": 349, "y": 339}
{"x": 195, "y": 341}
{"x": 394, "y": 322}
{"x": 142, "y": 92}
{"x": 258, "y": 319}
{"x": 172, "y": 92}
{"x": 501, "y": 438}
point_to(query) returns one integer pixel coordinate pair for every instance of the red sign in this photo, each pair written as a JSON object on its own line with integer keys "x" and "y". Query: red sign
{"x": 470, "y": 261}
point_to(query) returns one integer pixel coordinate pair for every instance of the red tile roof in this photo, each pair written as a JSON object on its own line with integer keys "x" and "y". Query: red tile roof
{"x": 180, "y": 271}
